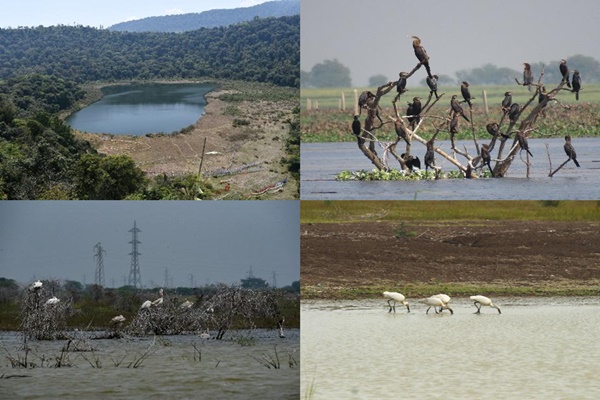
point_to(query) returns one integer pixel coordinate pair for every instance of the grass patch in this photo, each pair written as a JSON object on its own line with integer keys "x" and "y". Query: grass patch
{"x": 315, "y": 211}
{"x": 457, "y": 289}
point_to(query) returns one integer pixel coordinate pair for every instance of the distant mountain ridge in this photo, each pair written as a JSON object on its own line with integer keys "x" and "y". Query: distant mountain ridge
{"x": 210, "y": 19}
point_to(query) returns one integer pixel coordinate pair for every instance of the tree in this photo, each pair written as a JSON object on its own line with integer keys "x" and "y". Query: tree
{"x": 254, "y": 283}
{"x": 107, "y": 178}
{"x": 330, "y": 74}
{"x": 377, "y": 80}
{"x": 489, "y": 74}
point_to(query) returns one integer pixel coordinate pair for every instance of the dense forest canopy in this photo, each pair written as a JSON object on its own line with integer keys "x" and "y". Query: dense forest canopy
{"x": 262, "y": 50}
{"x": 211, "y": 18}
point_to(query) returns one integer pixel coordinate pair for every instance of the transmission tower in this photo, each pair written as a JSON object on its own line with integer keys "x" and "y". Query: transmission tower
{"x": 135, "y": 279}
{"x": 99, "y": 277}
{"x": 274, "y": 279}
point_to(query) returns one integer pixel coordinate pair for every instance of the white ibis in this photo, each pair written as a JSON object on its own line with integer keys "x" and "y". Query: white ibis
{"x": 52, "y": 301}
{"x": 483, "y": 301}
{"x": 434, "y": 302}
{"x": 146, "y": 304}
{"x": 35, "y": 286}
{"x": 396, "y": 298}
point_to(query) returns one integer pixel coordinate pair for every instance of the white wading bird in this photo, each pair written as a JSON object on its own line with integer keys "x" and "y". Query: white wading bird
{"x": 443, "y": 297}
{"x": 158, "y": 301}
{"x": 396, "y": 298}
{"x": 483, "y": 301}
{"x": 53, "y": 300}
{"x": 119, "y": 319}
{"x": 37, "y": 285}
{"x": 434, "y": 302}
{"x": 186, "y": 304}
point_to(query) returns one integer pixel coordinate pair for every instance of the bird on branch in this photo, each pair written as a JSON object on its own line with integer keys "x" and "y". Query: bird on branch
{"x": 356, "y": 128}
{"x": 363, "y": 98}
{"x": 523, "y": 142}
{"x": 429, "y": 155}
{"x": 527, "y": 76}
{"x": 513, "y": 112}
{"x": 506, "y": 103}
{"x": 432, "y": 83}
{"x": 421, "y": 54}
{"x": 486, "y": 157}
{"x": 414, "y": 110}
{"x": 411, "y": 161}
{"x": 564, "y": 70}
{"x": 466, "y": 94}
{"x": 400, "y": 130}
{"x": 576, "y": 83}
{"x": 453, "y": 128}
{"x": 570, "y": 150}
{"x": 401, "y": 84}
{"x": 457, "y": 108}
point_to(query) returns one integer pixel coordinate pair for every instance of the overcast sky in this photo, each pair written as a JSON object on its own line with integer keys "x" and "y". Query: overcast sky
{"x": 369, "y": 37}
{"x": 214, "y": 241}
{"x": 105, "y": 12}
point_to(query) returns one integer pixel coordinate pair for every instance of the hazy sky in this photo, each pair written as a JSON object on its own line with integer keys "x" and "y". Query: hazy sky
{"x": 369, "y": 37}
{"x": 214, "y": 241}
{"x": 105, "y": 12}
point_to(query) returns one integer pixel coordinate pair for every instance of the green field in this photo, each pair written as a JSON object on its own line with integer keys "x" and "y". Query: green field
{"x": 329, "y": 123}
{"x": 354, "y": 211}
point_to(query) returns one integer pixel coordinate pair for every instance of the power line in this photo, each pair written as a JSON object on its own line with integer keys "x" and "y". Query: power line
{"x": 99, "y": 276}
{"x": 135, "y": 278}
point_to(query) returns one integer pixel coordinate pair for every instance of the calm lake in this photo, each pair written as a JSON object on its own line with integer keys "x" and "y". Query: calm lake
{"x": 142, "y": 109}
{"x": 536, "y": 349}
{"x": 218, "y": 369}
{"x": 320, "y": 162}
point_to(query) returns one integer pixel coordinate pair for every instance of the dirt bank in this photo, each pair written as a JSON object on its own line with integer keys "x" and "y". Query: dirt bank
{"x": 229, "y": 146}
{"x": 369, "y": 257}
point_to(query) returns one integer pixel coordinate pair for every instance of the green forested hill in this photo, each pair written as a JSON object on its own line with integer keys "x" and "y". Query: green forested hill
{"x": 210, "y": 19}
{"x": 262, "y": 50}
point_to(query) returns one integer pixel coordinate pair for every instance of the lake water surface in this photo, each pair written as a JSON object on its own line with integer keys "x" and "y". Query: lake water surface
{"x": 226, "y": 370}
{"x": 536, "y": 349}
{"x": 320, "y": 162}
{"x": 143, "y": 109}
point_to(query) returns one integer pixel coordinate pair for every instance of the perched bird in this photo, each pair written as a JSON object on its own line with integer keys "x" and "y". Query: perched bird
{"x": 146, "y": 305}
{"x": 570, "y": 150}
{"x": 186, "y": 304}
{"x": 363, "y": 98}
{"x": 414, "y": 109}
{"x": 492, "y": 128}
{"x": 435, "y": 302}
{"x": 543, "y": 96}
{"x": 119, "y": 319}
{"x": 453, "y": 126}
{"x": 395, "y": 297}
{"x": 576, "y": 83}
{"x": 527, "y": 76}
{"x": 564, "y": 70}
{"x": 523, "y": 143}
{"x": 466, "y": 93}
{"x": 400, "y": 130}
{"x": 35, "y": 286}
{"x": 158, "y": 301}
{"x": 506, "y": 102}
{"x": 421, "y": 54}
{"x": 432, "y": 83}
{"x": 411, "y": 161}
{"x": 429, "y": 155}
{"x": 53, "y": 300}
{"x": 401, "y": 84}
{"x": 457, "y": 108}
{"x": 483, "y": 301}
{"x": 513, "y": 112}
{"x": 356, "y": 127}
{"x": 485, "y": 156}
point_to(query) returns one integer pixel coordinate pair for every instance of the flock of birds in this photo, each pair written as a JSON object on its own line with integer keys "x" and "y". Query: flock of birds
{"x": 439, "y": 300}
{"x": 513, "y": 110}
{"x": 36, "y": 286}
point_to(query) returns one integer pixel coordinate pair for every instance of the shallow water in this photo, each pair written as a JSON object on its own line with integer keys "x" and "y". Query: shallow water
{"x": 143, "y": 109}
{"x": 320, "y": 162}
{"x": 226, "y": 370}
{"x": 537, "y": 348}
